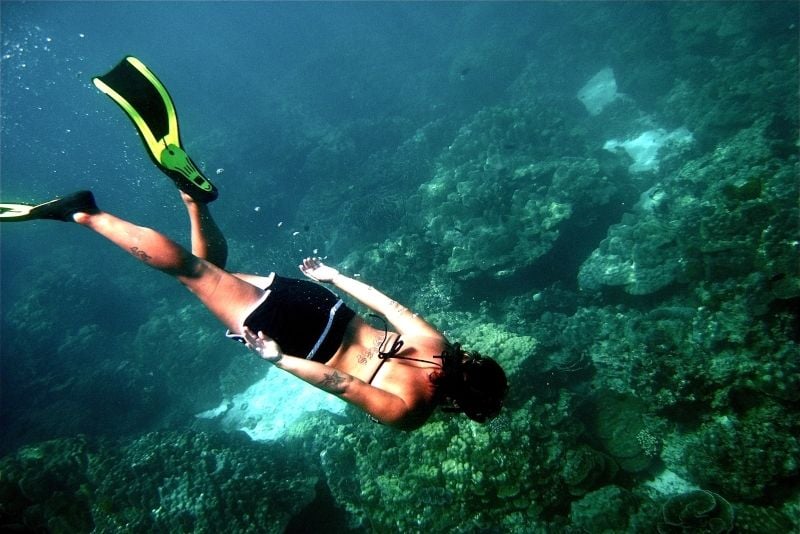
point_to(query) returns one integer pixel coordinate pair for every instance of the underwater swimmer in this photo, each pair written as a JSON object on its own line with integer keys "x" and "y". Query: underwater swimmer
{"x": 398, "y": 376}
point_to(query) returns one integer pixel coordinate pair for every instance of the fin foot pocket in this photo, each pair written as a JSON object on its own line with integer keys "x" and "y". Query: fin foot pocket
{"x": 179, "y": 166}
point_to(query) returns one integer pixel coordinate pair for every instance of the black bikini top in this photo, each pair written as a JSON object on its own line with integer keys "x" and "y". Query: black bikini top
{"x": 393, "y": 351}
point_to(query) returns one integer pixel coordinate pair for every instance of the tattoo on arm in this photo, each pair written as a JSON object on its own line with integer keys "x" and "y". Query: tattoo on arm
{"x": 333, "y": 382}
{"x": 399, "y": 308}
{"x": 141, "y": 254}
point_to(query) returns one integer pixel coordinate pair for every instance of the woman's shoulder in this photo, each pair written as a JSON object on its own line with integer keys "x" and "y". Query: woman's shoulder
{"x": 424, "y": 344}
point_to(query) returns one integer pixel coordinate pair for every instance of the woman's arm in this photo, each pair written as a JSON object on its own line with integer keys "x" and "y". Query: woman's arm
{"x": 387, "y": 408}
{"x": 401, "y": 317}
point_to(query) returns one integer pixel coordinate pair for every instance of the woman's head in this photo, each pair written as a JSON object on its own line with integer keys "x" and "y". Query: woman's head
{"x": 472, "y": 383}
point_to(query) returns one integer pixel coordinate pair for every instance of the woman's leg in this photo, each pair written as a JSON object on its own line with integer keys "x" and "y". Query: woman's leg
{"x": 207, "y": 239}
{"x": 208, "y": 242}
{"x": 228, "y": 297}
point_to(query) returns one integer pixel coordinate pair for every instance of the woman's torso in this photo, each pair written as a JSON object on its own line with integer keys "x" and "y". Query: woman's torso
{"x": 359, "y": 356}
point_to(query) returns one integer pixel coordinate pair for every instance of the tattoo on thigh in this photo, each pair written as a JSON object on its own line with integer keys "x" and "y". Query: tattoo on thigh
{"x": 141, "y": 254}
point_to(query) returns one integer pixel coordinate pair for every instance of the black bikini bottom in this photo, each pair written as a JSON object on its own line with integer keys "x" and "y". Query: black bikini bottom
{"x": 305, "y": 319}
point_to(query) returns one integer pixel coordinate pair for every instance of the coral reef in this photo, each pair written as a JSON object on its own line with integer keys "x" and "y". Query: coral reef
{"x": 699, "y": 511}
{"x": 449, "y": 464}
{"x": 737, "y": 444}
{"x": 45, "y": 487}
{"x": 586, "y": 469}
{"x": 169, "y": 481}
{"x": 647, "y": 320}
{"x": 707, "y": 228}
{"x": 498, "y": 209}
{"x": 765, "y": 520}
{"x": 605, "y": 510}
{"x": 620, "y": 424}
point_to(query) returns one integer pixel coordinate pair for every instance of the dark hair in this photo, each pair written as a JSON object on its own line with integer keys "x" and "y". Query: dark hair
{"x": 471, "y": 383}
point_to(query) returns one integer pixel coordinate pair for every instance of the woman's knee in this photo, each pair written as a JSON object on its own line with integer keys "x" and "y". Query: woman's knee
{"x": 191, "y": 267}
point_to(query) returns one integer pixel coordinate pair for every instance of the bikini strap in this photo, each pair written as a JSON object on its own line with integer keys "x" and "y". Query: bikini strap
{"x": 393, "y": 352}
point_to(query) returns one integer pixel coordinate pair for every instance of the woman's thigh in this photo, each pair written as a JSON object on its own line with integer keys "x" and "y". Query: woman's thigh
{"x": 225, "y": 295}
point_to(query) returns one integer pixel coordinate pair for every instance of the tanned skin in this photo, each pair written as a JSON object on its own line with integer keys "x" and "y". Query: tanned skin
{"x": 401, "y": 394}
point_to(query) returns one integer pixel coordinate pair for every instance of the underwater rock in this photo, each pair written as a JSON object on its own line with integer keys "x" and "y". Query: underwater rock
{"x": 599, "y": 91}
{"x": 645, "y": 149}
{"x": 267, "y": 408}
{"x": 642, "y": 257}
{"x": 186, "y": 351}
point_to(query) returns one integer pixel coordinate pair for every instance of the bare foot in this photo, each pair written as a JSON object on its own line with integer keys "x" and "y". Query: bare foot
{"x": 194, "y": 206}
{"x": 81, "y": 217}
{"x": 187, "y": 199}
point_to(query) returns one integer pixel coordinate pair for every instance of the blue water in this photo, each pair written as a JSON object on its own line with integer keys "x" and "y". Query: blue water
{"x": 440, "y": 150}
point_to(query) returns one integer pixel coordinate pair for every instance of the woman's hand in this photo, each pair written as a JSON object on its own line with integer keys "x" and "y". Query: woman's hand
{"x": 262, "y": 345}
{"x": 318, "y": 271}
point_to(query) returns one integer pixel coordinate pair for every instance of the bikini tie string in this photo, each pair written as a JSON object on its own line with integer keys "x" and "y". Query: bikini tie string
{"x": 396, "y": 346}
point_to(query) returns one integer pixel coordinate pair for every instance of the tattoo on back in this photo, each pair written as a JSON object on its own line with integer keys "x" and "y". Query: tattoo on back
{"x": 141, "y": 254}
{"x": 370, "y": 352}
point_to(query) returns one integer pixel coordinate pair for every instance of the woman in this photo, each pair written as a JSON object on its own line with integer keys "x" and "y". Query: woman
{"x": 397, "y": 376}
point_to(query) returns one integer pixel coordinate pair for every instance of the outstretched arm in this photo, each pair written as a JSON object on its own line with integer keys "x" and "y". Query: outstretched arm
{"x": 387, "y": 408}
{"x": 406, "y": 321}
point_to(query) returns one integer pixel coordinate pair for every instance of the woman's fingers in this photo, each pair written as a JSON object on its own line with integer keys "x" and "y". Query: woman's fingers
{"x": 247, "y": 333}
{"x": 311, "y": 262}
{"x": 252, "y": 336}
{"x": 308, "y": 267}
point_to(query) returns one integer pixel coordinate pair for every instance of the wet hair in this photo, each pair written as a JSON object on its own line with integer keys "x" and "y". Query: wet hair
{"x": 470, "y": 383}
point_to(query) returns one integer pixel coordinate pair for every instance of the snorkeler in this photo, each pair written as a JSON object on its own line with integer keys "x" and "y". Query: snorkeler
{"x": 398, "y": 376}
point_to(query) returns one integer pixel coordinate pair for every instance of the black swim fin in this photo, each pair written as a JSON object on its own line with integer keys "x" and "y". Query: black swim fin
{"x": 60, "y": 209}
{"x": 146, "y": 101}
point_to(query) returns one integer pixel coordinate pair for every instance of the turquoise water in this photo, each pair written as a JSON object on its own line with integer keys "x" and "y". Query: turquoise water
{"x": 602, "y": 196}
